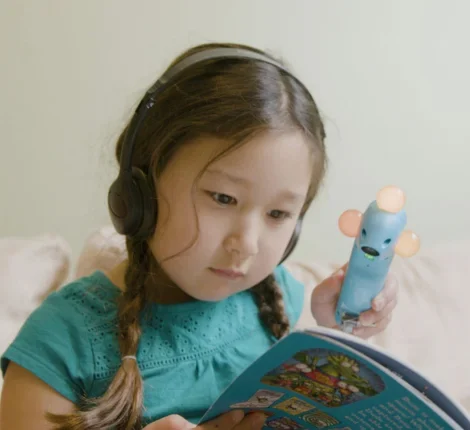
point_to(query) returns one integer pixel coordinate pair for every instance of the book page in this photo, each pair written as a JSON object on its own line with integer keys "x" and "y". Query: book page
{"x": 403, "y": 370}
{"x": 306, "y": 382}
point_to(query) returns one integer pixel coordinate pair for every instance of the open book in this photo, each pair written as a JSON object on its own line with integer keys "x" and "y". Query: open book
{"x": 326, "y": 379}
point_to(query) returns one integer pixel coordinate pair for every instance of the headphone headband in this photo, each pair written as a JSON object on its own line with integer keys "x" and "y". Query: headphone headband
{"x": 210, "y": 54}
{"x": 150, "y": 96}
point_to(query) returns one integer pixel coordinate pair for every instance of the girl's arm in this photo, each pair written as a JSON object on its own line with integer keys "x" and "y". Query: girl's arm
{"x": 25, "y": 400}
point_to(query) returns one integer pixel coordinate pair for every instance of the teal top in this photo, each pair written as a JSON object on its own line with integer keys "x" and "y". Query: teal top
{"x": 188, "y": 352}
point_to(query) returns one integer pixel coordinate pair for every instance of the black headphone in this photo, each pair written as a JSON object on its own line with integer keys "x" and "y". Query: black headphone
{"x": 132, "y": 205}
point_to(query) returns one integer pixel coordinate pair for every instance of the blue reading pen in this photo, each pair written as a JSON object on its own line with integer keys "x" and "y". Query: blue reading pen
{"x": 379, "y": 235}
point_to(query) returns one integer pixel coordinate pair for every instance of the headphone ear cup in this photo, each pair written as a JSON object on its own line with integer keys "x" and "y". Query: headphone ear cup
{"x": 293, "y": 240}
{"x": 131, "y": 204}
{"x": 121, "y": 203}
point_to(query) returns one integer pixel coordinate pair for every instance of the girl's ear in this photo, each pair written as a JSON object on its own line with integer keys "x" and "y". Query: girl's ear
{"x": 349, "y": 222}
{"x": 408, "y": 244}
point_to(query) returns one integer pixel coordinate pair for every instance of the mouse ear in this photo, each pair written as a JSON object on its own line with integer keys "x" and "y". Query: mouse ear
{"x": 349, "y": 222}
{"x": 391, "y": 199}
{"x": 408, "y": 244}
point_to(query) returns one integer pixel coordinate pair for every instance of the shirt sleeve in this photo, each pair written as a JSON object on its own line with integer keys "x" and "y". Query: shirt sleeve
{"x": 53, "y": 344}
{"x": 293, "y": 292}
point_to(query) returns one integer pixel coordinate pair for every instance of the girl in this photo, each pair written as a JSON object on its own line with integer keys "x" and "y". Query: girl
{"x": 218, "y": 167}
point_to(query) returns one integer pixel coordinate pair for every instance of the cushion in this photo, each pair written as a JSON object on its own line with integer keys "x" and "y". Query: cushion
{"x": 30, "y": 268}
{"x": 103, "y": 249}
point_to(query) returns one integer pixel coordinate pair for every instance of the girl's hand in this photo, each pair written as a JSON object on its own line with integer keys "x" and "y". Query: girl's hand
{"x": 373, "y": 321}
{"x": 233, "y": 420}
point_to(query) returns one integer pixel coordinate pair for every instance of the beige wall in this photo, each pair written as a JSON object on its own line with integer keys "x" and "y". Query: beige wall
{"x": 392, "y": 80}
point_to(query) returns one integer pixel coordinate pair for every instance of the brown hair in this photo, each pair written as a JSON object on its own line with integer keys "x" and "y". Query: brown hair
{"x": 231, "y": 99}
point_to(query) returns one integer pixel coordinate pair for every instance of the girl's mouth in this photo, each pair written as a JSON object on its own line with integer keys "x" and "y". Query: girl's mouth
{"x": 227, "y": 273}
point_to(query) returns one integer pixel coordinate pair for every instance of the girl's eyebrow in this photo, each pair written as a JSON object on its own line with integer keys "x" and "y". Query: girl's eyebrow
{"x": 229, "y": 176}
{"x": 286, "y": 194}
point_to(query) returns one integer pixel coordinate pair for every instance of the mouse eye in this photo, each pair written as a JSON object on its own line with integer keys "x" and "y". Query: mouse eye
{"x": 387, "y": 241}
{"x": 364, "y": 233}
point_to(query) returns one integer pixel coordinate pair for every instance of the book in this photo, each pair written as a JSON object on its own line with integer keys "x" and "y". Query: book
{"x": 326, "y": 379}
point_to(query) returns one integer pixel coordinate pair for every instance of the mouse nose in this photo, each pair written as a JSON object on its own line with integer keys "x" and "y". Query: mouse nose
{"x": 370, "y": 251}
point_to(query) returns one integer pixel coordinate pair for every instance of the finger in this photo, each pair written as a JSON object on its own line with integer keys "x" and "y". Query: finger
{"x": 388, "y": 293}
{"x": 253, "y": 421}
{"x": 329, "y": 288}
{"x": 372, "y": 317}
{"x": 226, "y": 421}
{"x": 366, "y": 332}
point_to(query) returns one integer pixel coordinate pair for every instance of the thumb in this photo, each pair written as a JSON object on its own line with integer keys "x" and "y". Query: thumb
{"x": 171, "y": 422}
{"x": 324, "y": 298}
{"x": 328, "y": 290}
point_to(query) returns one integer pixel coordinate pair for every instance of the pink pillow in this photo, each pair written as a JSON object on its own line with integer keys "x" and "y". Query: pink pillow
{"x": 30, "y": 269}
{"x": 103, "y": 249}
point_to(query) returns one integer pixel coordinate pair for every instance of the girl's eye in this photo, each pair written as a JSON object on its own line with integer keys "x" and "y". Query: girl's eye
{"x": 222, "y": 199}
{"x": 279, "y": 215}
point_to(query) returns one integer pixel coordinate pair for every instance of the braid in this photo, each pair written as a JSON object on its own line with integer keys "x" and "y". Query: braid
{"x": 270, "y": 303}
{"x": 121, "y": 406}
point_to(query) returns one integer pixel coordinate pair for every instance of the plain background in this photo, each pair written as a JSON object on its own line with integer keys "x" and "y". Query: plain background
{"x": 391, "y": 79}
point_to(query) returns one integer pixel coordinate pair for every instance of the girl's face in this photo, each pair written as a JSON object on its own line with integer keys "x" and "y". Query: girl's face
{"x": 229, "y": 228}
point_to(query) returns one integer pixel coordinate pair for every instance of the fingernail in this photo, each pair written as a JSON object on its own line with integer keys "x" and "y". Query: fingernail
{"x": 338, "y": 273}
{"x": 366, "y": 321}
{"x": 369, "y": 324}
{"x": 379, "y": 303}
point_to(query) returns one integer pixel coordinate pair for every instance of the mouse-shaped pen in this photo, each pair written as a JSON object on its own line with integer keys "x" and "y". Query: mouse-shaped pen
{"x": 379, "y": 235}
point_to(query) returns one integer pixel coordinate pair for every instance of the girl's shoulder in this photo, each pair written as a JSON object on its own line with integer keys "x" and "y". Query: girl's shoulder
{"x": 55, "y": 341}
{"x": 93, "y": 297}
